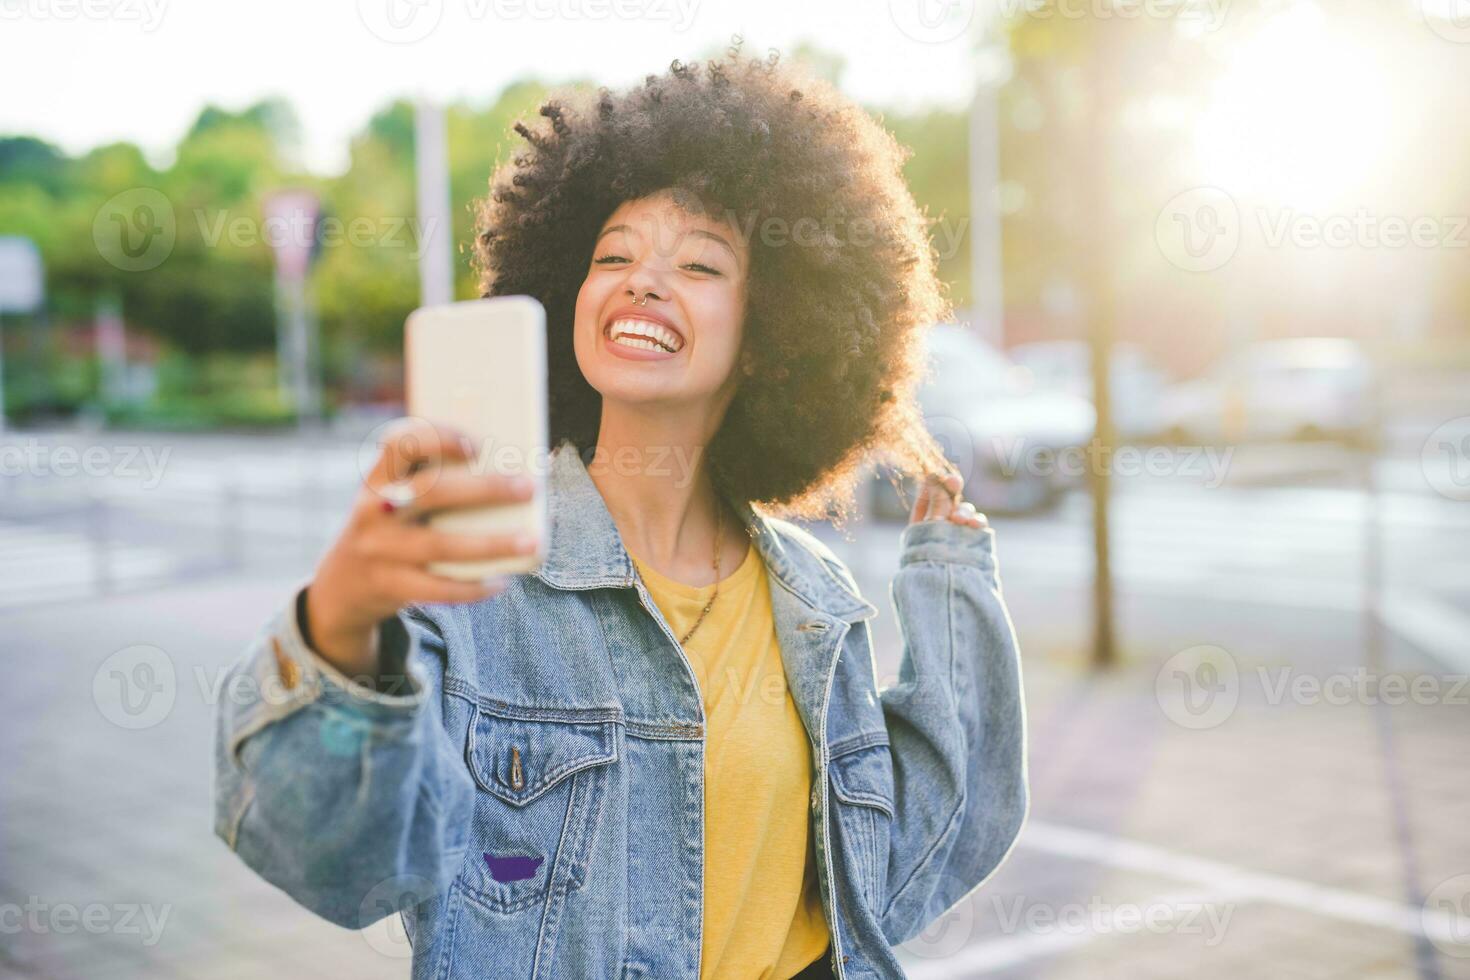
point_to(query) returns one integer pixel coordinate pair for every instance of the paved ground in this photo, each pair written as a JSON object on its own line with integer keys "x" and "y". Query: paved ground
{"x": 1247, "y": 795}
{"x": 1291, "y": 839}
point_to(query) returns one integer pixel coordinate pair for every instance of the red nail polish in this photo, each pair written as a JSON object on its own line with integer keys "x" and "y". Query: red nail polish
{"x": 388, "y": 507}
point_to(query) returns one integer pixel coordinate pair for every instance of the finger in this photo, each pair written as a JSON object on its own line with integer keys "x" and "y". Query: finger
{"x": 411, "y": 544}
{"x": 413, "y": 443}
{"x": 408, "y": 583}
{"x": 966, "y": 513}
{"x": 445, "y": 489}
{"x": 462, "y": 488}
{"x": 943, "y": 499}
{"x": 923, "y": 501}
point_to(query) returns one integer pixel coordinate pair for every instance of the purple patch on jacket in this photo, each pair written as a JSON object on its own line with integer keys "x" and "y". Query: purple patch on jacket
{"x": 512, "y": 868}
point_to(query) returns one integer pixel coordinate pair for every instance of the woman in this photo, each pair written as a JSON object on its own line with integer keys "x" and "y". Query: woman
{"x": 663, "y": 753}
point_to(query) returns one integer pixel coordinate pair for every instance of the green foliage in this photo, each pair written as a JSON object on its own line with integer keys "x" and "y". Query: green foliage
{"x": 212, "y": 300}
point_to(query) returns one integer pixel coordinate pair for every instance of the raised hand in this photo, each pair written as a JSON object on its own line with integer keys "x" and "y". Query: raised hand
{"x": 939, "y": 500}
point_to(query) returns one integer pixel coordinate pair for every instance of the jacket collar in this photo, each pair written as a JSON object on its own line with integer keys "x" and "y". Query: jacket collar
{"x": 585, "y": 550}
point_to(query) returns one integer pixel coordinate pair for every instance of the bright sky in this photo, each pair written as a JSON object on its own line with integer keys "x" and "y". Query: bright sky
{"x": 84, "y": 72}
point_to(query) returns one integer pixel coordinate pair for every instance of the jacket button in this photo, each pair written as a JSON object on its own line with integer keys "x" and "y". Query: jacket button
{"x": 517, "y": 776}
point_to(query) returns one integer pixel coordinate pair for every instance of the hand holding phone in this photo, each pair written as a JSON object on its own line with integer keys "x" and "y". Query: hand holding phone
{"x": 469, "y": 464}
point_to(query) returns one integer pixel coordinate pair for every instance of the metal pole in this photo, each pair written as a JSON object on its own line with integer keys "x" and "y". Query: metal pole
{"x": 1101, "y": 292}
{"x": 987, "y": 297}
{"x": 112, "y": 350}
{"x": 431, "y": 160}
{"x": 2, "y": 372}
{"x": 1371, "y": 448}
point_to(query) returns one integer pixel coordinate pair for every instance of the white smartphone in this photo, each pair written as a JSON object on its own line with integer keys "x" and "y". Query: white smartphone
{"x": 480, "y": 366}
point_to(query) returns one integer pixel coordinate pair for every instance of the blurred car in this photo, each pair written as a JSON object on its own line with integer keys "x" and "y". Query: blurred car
{"x": 1135, "y": 383}
{"x": 1301, "y": 388}
{"x": 995, "y": 425}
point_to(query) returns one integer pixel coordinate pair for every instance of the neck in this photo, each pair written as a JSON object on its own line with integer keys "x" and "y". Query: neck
{"x": 652, "y": 472}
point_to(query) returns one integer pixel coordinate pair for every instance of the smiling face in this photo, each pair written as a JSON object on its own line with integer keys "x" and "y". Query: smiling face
{"x": 680, "y": 345}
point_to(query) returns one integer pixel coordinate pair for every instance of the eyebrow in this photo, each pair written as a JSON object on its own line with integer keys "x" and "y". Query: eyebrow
{"x": 699, "y": 232}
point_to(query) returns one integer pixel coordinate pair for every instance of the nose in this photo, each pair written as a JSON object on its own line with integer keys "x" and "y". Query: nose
{"x": 641, "y": 284}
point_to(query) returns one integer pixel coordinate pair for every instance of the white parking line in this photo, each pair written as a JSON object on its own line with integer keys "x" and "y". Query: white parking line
{"x": 1217, "y": 884}
{"x": 1333, "y": 903}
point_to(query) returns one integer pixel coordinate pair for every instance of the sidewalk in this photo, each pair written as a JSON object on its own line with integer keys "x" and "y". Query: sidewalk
{"x": 1288, "y": 836}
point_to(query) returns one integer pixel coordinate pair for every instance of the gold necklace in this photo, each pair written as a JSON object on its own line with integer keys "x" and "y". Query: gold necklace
{"x": 719, "y": 525}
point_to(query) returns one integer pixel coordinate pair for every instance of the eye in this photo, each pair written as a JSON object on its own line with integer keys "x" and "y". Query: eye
{"x": 605, "y": 259}
{"x": 701, "y": 267}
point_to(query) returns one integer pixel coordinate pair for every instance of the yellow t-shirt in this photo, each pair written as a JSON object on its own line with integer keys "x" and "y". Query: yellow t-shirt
{"x": 762, "y": 904}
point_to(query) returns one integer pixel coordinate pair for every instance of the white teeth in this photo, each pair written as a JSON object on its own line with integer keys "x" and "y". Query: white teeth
{"x": 660, "y": 336}
{"x": 639, "y": 342}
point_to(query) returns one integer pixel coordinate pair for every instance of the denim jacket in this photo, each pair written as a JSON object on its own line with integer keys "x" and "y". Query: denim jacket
{"x": 532, "y": 801}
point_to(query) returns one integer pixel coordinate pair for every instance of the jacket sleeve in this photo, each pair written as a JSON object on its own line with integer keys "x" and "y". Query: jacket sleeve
{"x": 956, "y": 725}
{"x": 351, "y": 800}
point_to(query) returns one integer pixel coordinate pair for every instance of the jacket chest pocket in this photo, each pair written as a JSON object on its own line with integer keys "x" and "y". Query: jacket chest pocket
{"x": 543, "y": 783}
{"x": 862, "y": 783}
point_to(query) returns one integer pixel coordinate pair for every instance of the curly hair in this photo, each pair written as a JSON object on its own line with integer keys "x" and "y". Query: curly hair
{"x": 842, "y": 281}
